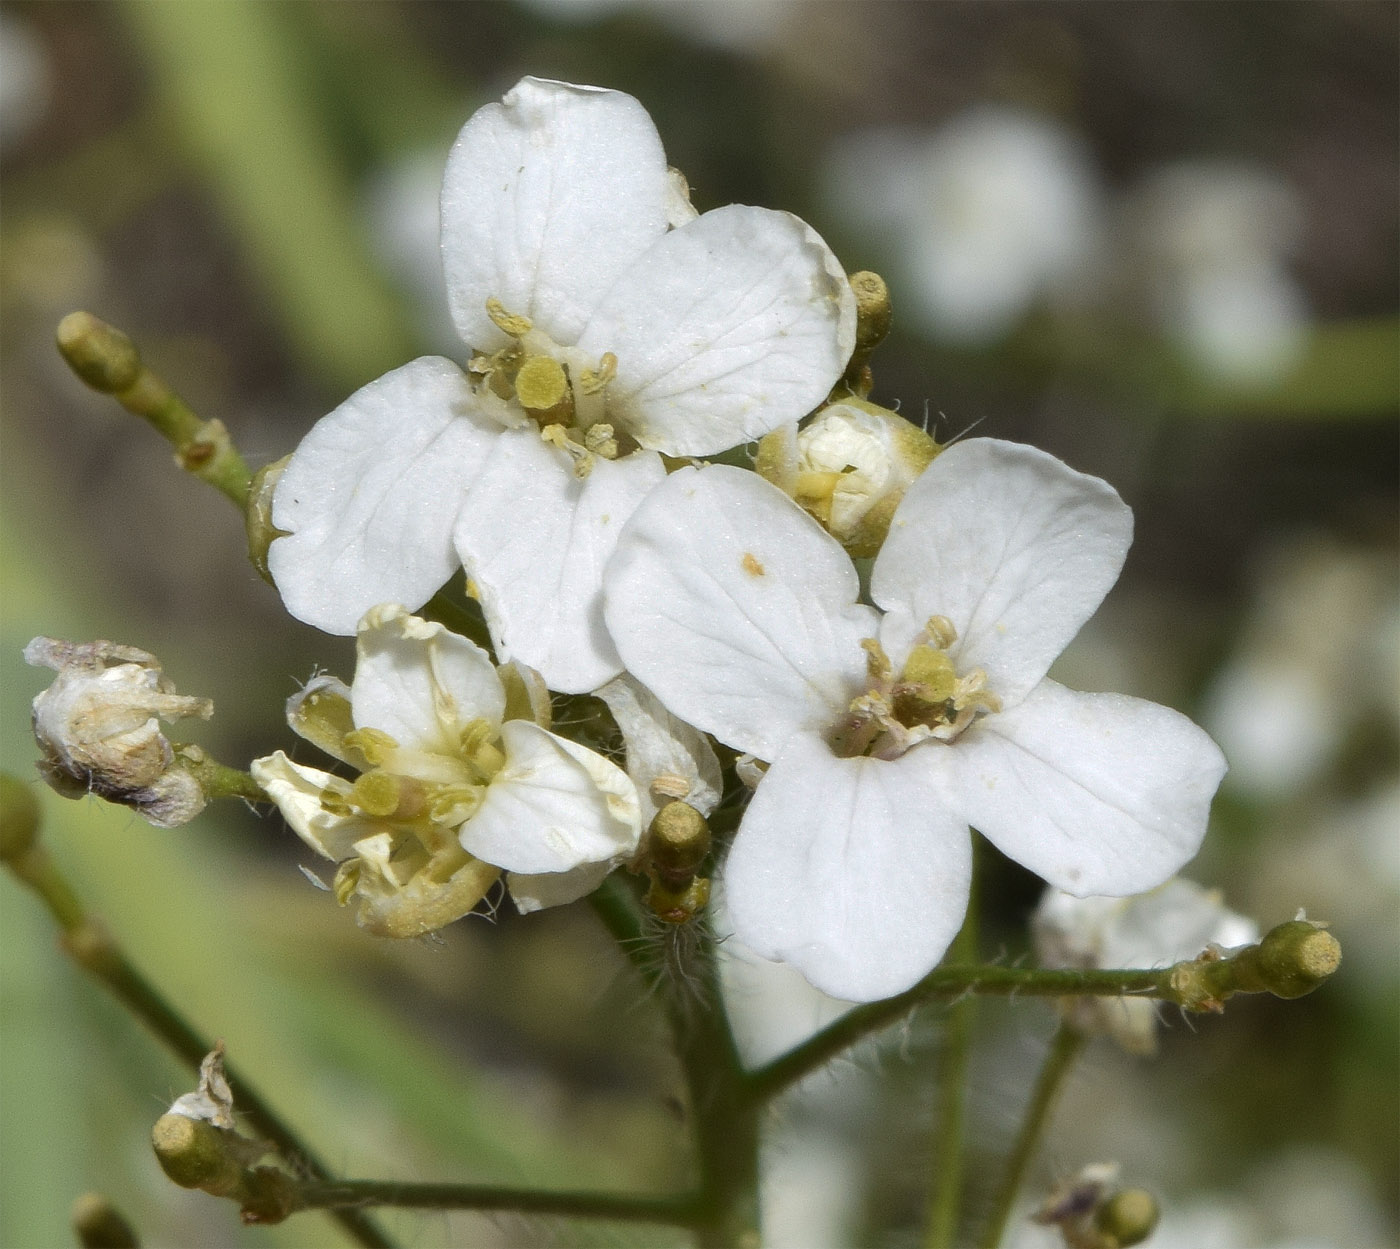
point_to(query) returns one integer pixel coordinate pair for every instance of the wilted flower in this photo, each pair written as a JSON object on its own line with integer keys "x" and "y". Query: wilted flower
{"x": 98, "y": 725}
{"x": 1177, "y": 921}
{"x": 889, "y": 733}
{"x": 457, "y": 783}
{"x": 610, "y": 323}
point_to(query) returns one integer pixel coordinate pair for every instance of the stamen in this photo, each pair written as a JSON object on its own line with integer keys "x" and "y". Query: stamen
{"x": 515, "y": 326}
{"x": 557, "y": 435}
{"x": 591, "y": 381}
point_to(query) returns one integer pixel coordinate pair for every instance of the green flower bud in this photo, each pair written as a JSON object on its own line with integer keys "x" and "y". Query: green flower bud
{"x": 1127, "y": 1218}
{"x": 101, "y": 355}
{"x": 99, "y": 1225}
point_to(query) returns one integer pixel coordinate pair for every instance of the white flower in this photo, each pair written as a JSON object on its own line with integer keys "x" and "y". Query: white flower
{"x": 989, "y": 212}
{"x": 1176, "y": 921}
{"x": 610, "y": 324}
{"x": 1216, "y": 236}
{"x": 456, "y": 784}
{"x": 888, "y": 734}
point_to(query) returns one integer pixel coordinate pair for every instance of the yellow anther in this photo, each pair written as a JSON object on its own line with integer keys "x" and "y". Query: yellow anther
{"x": 347, "y": 876}
{"x": 376, "y": 745}
{"x": 816, "y": 491}
{"x": 877, "y": 663}
{"x": 940, "y": 632}
{"x": 542, "y": 387}
{"x": 515, "y": 326}
{"x": 558, "y": 436}
{"x": 593, "y": 380}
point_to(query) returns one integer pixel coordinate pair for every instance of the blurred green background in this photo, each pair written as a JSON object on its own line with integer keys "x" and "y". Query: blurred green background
{"x": 1181, "y": 276}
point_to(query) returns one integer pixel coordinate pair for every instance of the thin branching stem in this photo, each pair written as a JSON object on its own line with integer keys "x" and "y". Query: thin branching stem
{"x": 1059, "y": 1060}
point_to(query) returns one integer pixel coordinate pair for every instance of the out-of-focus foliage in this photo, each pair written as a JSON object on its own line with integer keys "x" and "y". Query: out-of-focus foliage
{"x": 248, "y": 188}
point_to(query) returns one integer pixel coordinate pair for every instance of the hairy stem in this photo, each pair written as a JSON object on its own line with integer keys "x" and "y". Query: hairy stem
{"x": 1064, "y": 1049}
{"x": 1293, "y": 958}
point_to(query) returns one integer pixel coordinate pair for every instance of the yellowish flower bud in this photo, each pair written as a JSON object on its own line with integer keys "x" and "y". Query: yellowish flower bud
{"x": 99, "y": 1225}
{"x": 849, "y": 469}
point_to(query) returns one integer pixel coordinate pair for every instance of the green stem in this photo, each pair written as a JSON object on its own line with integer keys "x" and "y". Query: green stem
{"x": 1293, "y": 958}
{"x": 217, "y": 780}
{"x": 1064, "y": 1049}
{"x": 957, "y": 1051}
{"x": 680, "y": 1211}
{"x": 94, "y": 949}
{"x": 679, "y": 963}
{"x": 107, "y": 360}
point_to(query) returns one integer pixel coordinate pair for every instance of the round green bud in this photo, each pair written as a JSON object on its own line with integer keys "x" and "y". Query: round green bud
{"x": 195, "y": 1154}
{"x": 19, "y": 818}
{"x": 100, "y": 354}
{"x": 1127, "y": 1218}
{"x": 1296, "y": 957}
{"x": 99, "y": 1225}
{"x": 678, "y": 842}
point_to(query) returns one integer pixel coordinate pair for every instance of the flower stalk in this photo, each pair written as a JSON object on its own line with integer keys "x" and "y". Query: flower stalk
{"x": 1066, "y": 1047}
{"x": 1292, "y": 955}
{"x": 107, "y": 360}
{"x": 93, "y": 948}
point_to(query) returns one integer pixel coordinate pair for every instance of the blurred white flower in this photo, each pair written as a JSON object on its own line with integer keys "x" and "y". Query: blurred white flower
{"x": 889, "y": 733}
{"x": 734, "y": 25}
{"x": 1171, "y": 923}
{"x": 1317, "y": 653}
{"x": 1215, "y": 237}
{"x": 24, "y": 78}
{"x": 985, "y": 215}
{"x": 611, "y": 323}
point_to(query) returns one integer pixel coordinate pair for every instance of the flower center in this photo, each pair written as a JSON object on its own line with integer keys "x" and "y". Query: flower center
{"x": 928, "y": 699}
{"x": 561, "y": 390}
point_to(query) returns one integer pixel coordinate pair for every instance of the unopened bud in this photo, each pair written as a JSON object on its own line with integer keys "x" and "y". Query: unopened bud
{"x": 678, "y": 842}
{"x": 98, "y": 726}
{"x": 19, "y": 818}
{"x": 874, "y": 311}
{"x": 257, "y": 515}
{"x": 849, "y": 469}
{"x": 101, "y": 355}
{"x": 1292, "y": 960}
{"x": 1127, "y": 1218}
{"x": 99, "y": 1225}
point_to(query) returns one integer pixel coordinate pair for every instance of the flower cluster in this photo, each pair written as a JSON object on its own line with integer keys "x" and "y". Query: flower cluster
{"x": 615, "y": 335}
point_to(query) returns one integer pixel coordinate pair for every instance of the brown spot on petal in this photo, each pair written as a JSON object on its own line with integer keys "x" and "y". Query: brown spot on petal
{"x": 752, "y": 566}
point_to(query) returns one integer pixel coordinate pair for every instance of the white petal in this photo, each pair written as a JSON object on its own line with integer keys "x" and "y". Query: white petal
{"x": 724, "y": 330}
{"x": 534, "y": 539}
{"x": 1015, "y": 548}
{"x": 547, "y": 197}
{"x": 666, "y": 758}
{"x": 370, "y": 496}
{"x": 737, "y": 610}
{"x": 1096, "y": 793}
{"x": 419, "y": 683}
{"x": 553, "y": 807}
{"x": 535, "y": 893}
{"x": 855, "y": 871}
{"x": 297, "y": 792}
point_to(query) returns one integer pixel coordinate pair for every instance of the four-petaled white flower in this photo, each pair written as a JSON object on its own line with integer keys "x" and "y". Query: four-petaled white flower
{"x": 610, "y": 324}
{"x": 457, "y": 782}
{"x": 890, "y": 732}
